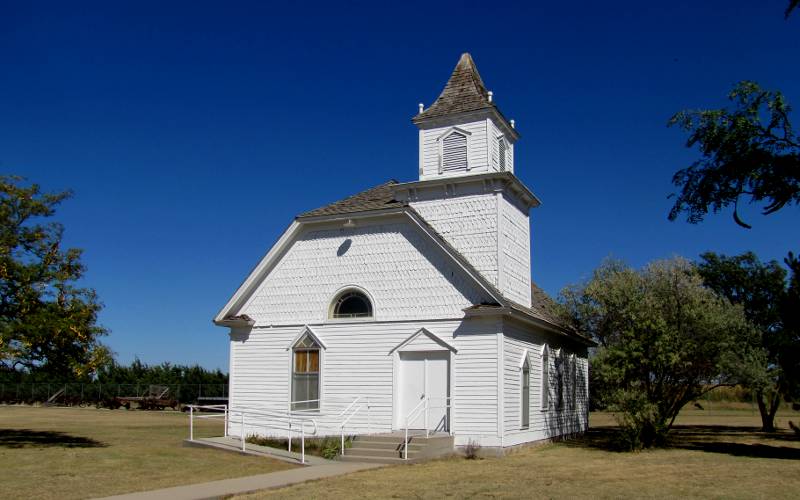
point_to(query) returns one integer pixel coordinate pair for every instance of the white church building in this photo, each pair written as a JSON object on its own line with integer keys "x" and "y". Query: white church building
{"x": 410, "y": 305}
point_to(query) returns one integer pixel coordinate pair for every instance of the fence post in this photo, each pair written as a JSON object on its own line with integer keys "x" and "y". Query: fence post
{"x": 226, "y": 422}
{"x": 191, "y": 423}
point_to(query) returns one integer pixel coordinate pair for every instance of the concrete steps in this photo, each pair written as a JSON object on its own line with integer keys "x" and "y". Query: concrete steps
{"x": 388, "y": 448}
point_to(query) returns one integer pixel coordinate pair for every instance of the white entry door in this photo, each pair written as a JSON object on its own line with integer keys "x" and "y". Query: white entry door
{"x": 424, "y": 374}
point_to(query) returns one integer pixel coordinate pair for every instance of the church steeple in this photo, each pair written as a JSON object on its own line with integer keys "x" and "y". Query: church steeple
{"x": 464, "y": 92}
{"x": 463, "y": 131}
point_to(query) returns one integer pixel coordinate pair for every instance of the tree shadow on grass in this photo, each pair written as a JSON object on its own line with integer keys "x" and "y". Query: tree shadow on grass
{"x": 25, "y": 438}
{"x": 736, "y": 441}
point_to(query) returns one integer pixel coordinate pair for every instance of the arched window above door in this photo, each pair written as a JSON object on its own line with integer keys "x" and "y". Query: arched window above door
{"x": 351, "y": 303}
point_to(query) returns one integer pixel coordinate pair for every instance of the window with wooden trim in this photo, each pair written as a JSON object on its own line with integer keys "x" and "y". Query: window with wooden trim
{"x": 351, "y": 304}
{"x": 526, "y": 394}
{"x": 453, "y": 152}
{"x": 306, "y": 374}
{"x": 545, "y": 397}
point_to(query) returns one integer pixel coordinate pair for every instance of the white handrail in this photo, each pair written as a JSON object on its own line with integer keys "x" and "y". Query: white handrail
{"x": 347, "y": 419}
{"x": 290, "y": 423}
{"x": 413, "y": 413}
{"x": 425, "y": 404}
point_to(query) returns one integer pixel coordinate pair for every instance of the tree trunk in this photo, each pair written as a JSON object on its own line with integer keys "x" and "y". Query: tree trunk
{"x": 768, "y": 407}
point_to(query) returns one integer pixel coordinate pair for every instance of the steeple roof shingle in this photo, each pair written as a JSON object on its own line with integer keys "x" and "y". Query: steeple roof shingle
{"x": 463, "y": 93}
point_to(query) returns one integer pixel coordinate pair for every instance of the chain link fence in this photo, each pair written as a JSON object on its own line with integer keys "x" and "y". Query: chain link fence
{"x": 85, "y": 394}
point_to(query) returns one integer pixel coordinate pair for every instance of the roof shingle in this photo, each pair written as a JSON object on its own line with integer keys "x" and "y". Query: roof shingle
{"x": 376, "y": 198}
{"x": 463, "y": 93}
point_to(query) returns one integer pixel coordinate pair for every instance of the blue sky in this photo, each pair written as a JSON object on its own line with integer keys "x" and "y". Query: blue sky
{"x": 192, "y": 133}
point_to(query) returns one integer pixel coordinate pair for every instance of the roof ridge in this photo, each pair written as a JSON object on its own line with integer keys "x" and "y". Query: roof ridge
{"x": 374, "y": 198}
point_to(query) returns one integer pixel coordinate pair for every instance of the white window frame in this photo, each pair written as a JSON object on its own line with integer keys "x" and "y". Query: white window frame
{"x": 502, "y": 154}
{"x": 329, "y": 316}
{"x": 440, "y": 140}
{"x": 525, "y": 396}
{"x": 322, "y": 346}
{"x": 544, "y": 397}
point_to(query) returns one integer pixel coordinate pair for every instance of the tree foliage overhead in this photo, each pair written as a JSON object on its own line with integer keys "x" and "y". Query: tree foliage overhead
{"x": 662, "y": 337}
{"x": 47, "y": 322}
{"x": 750, "y": 150}
{"x": 761, "y": 289}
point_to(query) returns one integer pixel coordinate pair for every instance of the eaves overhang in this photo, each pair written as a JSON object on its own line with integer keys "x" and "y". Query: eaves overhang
{"x": 526, "y": 317}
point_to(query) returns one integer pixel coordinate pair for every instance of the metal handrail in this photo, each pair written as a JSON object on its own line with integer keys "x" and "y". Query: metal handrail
{"x": 424, "y": 404}
{"x": 291, "y": 422}
{"x": 413, "y": 413}
{"x": 354, "y": 412}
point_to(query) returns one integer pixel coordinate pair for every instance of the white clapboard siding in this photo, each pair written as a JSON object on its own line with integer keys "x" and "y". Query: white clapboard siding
{"x": 571, "y": 418}
{"x": 515, "y": 241}
{"x": 469, "y": 224}
{"x": 431, "y": 148}
{"x": 357, "y": 362}
{"x": 404, "y": 273}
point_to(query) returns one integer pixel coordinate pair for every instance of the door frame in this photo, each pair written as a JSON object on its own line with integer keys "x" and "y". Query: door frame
{"x": 423, "y": 340}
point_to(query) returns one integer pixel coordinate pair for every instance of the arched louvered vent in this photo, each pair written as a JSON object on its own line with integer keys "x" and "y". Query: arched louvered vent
{"x": 454, "y": 152}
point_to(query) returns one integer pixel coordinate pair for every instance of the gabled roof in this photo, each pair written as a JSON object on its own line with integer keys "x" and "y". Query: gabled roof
{"x": 544, "y": 306}
{"x": 464, "y": 92}
{"x": 376, "y": 198}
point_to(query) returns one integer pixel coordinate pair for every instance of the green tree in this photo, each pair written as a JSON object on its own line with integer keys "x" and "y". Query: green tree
{"x": 662, "y": 339}
{"x": 761, "y": 289}
{"x": 790, "y": 355}
{"x": 749, "y": 150}
{"x": 47, "y": 323}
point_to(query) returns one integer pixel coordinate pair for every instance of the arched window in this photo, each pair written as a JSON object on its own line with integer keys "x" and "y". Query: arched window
{"x": 351, "y": 304}
{"x": 526, "y": 393}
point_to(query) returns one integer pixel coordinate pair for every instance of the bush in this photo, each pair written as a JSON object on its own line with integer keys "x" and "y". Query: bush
{"x": 327, "y": 447}
{"x": 472, "y": 450}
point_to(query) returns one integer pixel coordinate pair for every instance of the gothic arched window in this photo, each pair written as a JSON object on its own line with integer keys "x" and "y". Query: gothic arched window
{"x": 351, "y": 304}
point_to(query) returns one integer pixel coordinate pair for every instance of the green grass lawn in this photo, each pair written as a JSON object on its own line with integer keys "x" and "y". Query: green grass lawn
{"x": 715, "y": 453}
{"x": 82, "y": 453}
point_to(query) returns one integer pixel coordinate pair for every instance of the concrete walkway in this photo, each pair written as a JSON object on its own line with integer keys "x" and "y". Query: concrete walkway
{"x": 224, "y": 487}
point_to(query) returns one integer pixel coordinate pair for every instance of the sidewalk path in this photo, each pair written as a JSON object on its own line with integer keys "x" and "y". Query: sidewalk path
{"x": 224, "y": 487}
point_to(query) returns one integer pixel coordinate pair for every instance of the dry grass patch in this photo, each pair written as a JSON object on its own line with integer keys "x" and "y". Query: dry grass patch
{"x": 709, "y": 459}
{"x": 81, "y": 453}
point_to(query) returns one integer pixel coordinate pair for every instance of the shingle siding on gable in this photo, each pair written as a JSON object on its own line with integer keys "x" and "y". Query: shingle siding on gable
{"x": 406, "y": 276}
{"x": 469, "y": 224}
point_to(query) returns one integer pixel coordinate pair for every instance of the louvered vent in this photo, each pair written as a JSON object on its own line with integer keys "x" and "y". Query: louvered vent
{"x": 502, "y": 155}
{"x": 454, "y": 152}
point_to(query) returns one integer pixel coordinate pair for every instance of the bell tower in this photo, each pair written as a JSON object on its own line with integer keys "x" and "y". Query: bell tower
{"x": 463, "y": 132}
